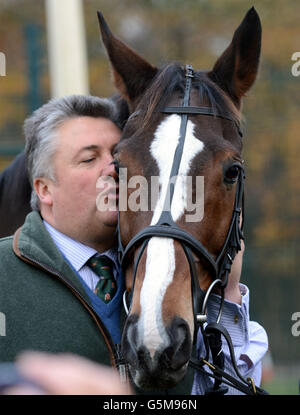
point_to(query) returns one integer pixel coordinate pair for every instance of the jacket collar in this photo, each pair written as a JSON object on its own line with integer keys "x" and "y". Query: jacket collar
{"x": 33, "y": 244}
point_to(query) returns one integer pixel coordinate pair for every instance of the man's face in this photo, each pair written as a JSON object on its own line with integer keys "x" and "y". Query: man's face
{"x": 84, "y": 153}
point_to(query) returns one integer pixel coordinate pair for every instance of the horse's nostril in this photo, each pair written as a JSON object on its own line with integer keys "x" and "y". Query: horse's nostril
{"x": 167, "y": 356}
{"x": 129, "y": 340}
{"x": 176, "y": 355}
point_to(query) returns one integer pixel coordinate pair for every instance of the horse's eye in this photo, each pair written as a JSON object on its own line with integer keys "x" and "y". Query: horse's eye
{"x": 232, "y": 174}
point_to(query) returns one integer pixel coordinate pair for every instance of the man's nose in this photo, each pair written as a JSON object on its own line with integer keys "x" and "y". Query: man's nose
{"x": 110, "y": 168}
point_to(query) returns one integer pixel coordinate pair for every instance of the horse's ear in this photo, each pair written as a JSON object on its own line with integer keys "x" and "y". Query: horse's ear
{"x": 235, "y": 71}
{"x": 132, "y": 74}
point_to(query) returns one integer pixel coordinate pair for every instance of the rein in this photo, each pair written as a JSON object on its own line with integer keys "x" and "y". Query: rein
{"x": 220, "y": 268}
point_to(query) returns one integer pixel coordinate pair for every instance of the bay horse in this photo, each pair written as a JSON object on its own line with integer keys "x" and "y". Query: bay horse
{"x": 201, "y": 111}
{"x": 15, "y": 193}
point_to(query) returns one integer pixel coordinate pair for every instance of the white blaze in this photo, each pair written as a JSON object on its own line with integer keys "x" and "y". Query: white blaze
{"x": 160, "y": 262}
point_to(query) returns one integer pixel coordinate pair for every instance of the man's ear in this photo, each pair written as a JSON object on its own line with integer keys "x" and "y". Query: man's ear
{"x": 235, "y": 71}
{"x": 42, "y": 188}
{"x": 132, "y": 74}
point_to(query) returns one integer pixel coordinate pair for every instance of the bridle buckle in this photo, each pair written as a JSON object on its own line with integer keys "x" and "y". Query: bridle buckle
{"x": 230, "y": 258}
{"x": 201, "y": 318}
{"x": 189, "y": 71}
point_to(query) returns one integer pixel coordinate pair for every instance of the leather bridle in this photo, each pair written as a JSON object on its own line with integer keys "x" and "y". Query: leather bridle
{"x": 219, "y": 268}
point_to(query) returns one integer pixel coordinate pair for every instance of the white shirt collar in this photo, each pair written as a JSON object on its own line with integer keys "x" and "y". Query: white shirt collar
{"x": 75, "y": 252}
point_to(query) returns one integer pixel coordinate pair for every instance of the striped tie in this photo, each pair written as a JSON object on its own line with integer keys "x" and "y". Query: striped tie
{"x": 106, "y": 286}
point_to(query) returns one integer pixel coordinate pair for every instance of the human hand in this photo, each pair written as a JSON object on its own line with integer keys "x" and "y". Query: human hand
{"x": 232, "y": 290}
{"x": 66, "y": 374}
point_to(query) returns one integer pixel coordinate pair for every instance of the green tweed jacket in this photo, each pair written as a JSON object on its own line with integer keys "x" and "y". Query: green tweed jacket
{"x": 45, "y": 306}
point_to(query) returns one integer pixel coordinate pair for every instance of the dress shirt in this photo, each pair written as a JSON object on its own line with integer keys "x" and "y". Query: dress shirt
{"x": 249, "y": 339}
{"x": 78, "y": 254}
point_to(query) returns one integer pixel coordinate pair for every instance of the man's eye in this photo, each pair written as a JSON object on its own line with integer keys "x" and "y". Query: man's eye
{"x": 88, "y": 160}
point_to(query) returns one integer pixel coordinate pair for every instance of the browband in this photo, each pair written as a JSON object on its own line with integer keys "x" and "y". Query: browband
{"x": 200, "y": 111}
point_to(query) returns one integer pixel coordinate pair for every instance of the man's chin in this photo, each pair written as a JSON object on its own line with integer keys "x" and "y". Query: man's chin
{"x": 110, "y": 218}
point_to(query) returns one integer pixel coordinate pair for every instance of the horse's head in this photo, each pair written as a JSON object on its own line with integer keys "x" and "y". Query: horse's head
{"x": 157, "y": 339}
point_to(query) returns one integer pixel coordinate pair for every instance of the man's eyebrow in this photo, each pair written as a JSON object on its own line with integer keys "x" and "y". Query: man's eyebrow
{"x": 90, "y": 147}
{"x": 87, "y": 148}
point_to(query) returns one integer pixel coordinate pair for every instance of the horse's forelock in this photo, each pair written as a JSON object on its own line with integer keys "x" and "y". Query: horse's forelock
{"x": 170, "y": 80}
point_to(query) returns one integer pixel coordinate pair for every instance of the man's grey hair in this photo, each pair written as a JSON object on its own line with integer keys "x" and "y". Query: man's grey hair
{"x": 40, "y": 131}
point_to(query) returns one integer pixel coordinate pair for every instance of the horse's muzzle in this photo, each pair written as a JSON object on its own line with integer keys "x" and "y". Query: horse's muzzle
{"x": 163, "y": 367}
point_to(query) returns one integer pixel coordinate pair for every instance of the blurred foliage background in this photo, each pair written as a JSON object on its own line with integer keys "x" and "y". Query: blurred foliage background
{"x": 196, "y": 32}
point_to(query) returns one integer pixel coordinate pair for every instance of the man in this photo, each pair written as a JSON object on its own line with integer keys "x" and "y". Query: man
{"x": 47, "y": 288}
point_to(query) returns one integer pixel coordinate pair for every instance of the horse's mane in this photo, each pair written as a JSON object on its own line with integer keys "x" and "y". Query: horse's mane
{"x": 170, "y": 79}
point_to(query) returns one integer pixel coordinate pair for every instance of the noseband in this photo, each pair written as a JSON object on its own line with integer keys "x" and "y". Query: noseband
{"x": 219, "y": 268}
